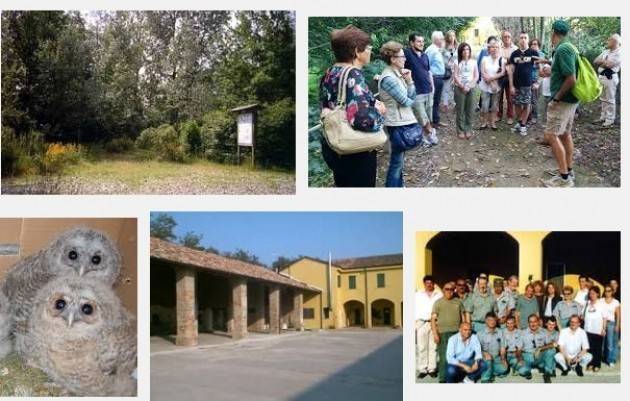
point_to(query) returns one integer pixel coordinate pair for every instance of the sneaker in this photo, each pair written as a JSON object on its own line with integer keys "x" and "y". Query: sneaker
{"x": 433, "y": 374}
{"x": 522, "y": 130}
{"x": 578, "y": 370}
{"x": 426, "y": 142}
{"x": 516, "y": 127}
{"x": 558, "y": 182}
{"x": 422, "y": 375}
{"x": 467, "y": 380}
{"x": 564, "y": 372}
{"x": 546, "y": 379}
{"x": 611, "y": 365}
{"x": 433, "y": 137}
{"x": 554, "y": 173}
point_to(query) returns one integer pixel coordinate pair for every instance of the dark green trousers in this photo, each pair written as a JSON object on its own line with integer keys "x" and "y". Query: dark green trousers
{"x": 441, "y": 350}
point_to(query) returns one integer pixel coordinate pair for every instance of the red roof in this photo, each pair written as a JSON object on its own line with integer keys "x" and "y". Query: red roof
{"x": 169, "y": 252}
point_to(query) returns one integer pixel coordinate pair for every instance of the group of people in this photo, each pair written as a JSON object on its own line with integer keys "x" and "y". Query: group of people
{"x": 468, "y": 332}
{"x": 417, "y": 85}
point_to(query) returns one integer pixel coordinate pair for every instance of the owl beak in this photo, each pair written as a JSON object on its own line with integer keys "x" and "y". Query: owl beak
{"x": 81, "y": 270}
{"x": 70, "y": 319}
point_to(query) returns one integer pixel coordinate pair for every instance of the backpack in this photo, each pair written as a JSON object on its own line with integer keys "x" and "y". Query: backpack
{"x": 587, "y": 87}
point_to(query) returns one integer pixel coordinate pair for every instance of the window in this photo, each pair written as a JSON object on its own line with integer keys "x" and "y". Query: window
{"x": 326, "y": 313}
{"x": 380, "y": 280}
{"x": 308, "y": 313}
{"x": 338, "y": 281}
{"x": 352, "y": 282}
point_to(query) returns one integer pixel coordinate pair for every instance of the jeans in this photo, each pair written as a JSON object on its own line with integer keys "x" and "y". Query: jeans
{"x": 438, "y": 83}
{"x": 544, "y": 362}
{"x": 455, "y": 374}
{"x": 395, "y": 170}
{"x": 495, "y": 367}
{"x": 610, "y": 345}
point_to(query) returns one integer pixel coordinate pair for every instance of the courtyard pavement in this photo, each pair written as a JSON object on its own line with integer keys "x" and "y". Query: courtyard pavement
{"x": 349, "y": 364}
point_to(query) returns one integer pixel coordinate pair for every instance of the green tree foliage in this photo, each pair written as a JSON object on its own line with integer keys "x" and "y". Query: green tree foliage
{"x": 243, "y": 255}
{"x": 192, "y": 240}
{"x": 163, "y": 226}
{"x": 102, "y": 76}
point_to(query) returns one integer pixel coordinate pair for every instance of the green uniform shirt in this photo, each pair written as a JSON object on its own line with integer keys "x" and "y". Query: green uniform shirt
{"x": 526, "y": 307}
{"x": 533, "y": 340}
{"x": 449, "y": 313}
{"x": 566, "y": 309}
{"x": 478, "y": 306}
{"x": 512, "y": 340}
{"x": 564, "y": 64}
{"x": 551, "y": 337}
{"x": 503, "y": 304}
{"x": 491, "y": 342}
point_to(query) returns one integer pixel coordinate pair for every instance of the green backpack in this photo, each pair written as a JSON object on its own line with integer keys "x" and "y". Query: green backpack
{"x": 587, "y": 87}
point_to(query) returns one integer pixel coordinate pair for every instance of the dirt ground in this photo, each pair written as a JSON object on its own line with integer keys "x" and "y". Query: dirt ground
{"x": 505, "y": 159}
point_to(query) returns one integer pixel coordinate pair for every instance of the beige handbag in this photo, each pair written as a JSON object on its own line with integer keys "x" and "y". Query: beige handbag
{"x": 339, "y": 134}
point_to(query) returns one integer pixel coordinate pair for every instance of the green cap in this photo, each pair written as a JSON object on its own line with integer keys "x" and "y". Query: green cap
{"x": 561, "y": 26}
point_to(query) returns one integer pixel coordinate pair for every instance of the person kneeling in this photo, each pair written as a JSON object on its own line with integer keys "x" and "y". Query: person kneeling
{"x": 464, "y": 357}
{"x": 573, "y": 345}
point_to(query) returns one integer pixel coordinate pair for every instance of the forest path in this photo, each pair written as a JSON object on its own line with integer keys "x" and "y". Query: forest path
{"x": 503, "y": 158}
{"x": 155, "y": 178}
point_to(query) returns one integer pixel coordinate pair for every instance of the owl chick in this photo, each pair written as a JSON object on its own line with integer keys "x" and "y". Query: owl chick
{"x": 82, "y": 337}
{"x": 80, "y": 251}
{"x": 5, "y": 327}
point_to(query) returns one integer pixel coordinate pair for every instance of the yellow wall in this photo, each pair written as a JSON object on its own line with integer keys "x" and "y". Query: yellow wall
{"x": 314, "y": 273}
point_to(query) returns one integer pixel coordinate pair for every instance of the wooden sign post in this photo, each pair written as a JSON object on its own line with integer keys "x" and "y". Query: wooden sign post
{"x": 246, "y": 129}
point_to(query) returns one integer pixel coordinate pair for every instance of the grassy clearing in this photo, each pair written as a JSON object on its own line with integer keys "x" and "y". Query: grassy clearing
{"x": 133, "y": 173}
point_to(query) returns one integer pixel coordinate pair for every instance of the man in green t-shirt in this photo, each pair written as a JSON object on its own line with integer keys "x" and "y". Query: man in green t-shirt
{"x": 447, "y": 315}
{"x": 562, "y": 107}
{"x": 526, "y": 305}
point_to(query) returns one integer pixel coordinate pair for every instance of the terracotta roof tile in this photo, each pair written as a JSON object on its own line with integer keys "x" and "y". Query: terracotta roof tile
{"x": 370, "y": 261}
{"x": 167, "y": 251}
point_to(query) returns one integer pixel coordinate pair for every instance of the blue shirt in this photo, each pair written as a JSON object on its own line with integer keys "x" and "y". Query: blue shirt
{"x": 458, "y": 351}
{"x": 419, "y": 66}
{"x": 436, "y": 61}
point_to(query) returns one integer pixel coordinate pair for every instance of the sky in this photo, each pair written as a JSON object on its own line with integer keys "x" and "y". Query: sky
{"x": 272, "y": 234}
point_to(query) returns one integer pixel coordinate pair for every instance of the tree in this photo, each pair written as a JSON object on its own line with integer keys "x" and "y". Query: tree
{"x": 163, "y": 226}
{"x": 192, "y": 240}
{"x": 243, "y": 255}
{"x": 281, "y": 262}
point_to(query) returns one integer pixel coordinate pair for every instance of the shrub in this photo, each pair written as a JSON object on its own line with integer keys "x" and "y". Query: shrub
{"x": 218, "y": 134}
{"x": 119, "y": 145}
{"x": 59, "y": 156}
{"x": 275, "y": 139}
{"x": 164, "y": 143}
{"x": 21, "y": 154}
{"x": 191, "y": 136}
{"x": 146, "y": 138}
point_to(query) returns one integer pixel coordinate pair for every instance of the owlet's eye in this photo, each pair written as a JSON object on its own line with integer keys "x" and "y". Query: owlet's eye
{"x": 87, "y": 309}
{"x": 96, "y": 259}
{"x": 60, "y": 304}
{"x": 73, "y": 255}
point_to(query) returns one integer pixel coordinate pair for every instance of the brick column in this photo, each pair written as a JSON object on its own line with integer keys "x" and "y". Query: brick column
{"x": 297, "y": 317}
{"x": 239, "y": 308}
{"x": 258, "y": 303}
{"x": 274, "y": 310}
{"x": 187, "y": 332}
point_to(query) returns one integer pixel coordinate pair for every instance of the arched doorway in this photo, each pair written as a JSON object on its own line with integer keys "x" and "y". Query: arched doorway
{"x": 569, "y": 254}
{"x": 456, "y": 254}
{"x": 383, "y": 313}
{"x": 354, "y": 313}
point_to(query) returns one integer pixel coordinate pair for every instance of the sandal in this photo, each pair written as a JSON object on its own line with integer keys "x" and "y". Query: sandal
{"x": 461, "y": 135}
{"x": 494, "y": 127}
{"x": 482, "y": 127}
{"x": 469, "y": 135}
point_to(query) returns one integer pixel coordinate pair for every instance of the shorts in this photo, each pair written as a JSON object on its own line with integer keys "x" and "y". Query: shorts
{"x": 489, "y": 102}
{"x": 523, "y": 96}
{"x": 423, "y": 108}
{"x": 560, "y": 117}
